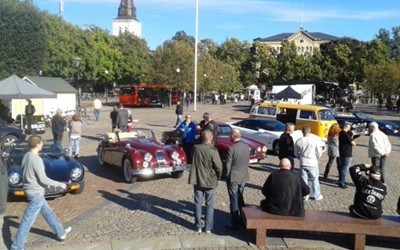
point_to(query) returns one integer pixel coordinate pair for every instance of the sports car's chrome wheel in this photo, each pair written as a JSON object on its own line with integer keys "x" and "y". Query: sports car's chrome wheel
{"x": 7, "y": 143}
{"x": 100, "y": 156}
{"x": 127, "y": 168}
{"x": 275, "y": 147}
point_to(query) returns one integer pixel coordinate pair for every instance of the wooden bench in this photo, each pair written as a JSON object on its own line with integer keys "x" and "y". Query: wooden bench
{"x": 321, "y": 221}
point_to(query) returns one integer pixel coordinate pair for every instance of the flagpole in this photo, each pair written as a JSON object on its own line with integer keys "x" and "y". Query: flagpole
{"x": 195, "y": 55}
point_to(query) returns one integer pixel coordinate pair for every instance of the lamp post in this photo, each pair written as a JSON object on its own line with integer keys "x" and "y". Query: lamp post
{"x": 77, "y": 63}
{"x": 106, "y": 72}
{"x": 178, "y": 71}
{"x": 205, "y": 89}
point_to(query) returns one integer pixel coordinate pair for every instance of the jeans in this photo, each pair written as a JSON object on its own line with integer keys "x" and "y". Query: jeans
{"x": 235, "y": 191}
{"x": 345, "y": 163}
{"x": 311, "y": 173}
{"x": 74, "y": 143}
{"x": 380, "y": 161}
{"x": 329, "y": 165}
{"x": 178, "y": 120}
{"x": 96, "y": 114}
{"x": 36, "y": 204}
{"x": 199, "y": 194}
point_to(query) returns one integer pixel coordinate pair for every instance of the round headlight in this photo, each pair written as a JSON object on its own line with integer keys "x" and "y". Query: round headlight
{"x": 258, "y": 149}
{"x": 14, "y": 178}
{"x": 148, "y": 157}
{"x": 76, "y": 174}
{"x": 175, "y": 155}
{"x": 265, "y": 149}
{"x": 145, "y": 164}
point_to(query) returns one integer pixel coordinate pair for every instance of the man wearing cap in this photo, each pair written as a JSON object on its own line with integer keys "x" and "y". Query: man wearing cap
{"x": 370, "y": 191}
{"x": 379, "y": 148}
{"x": 188, "y": 130}
{"x": 346, "y": 144}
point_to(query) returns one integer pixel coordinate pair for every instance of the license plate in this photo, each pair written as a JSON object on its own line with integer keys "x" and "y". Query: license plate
{"x": 163, "y": 170}
{"x": 253, "y": 160}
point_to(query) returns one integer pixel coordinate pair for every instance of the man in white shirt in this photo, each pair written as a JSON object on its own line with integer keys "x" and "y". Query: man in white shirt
{"x": 379, "y": 148}
{"x": 307, "y": 151}
{"x": 97, "y": 108}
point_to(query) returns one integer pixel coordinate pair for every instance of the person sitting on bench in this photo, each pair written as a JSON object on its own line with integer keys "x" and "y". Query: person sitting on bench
{"x": 370, "y": 191}
{"x": 284, "y": 192}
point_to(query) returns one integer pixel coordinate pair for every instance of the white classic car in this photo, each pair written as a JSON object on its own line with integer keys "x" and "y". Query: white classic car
{"x": 268, "y": 132}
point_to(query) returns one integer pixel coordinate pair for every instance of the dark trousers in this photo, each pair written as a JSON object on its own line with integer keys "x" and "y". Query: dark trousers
{"x": 380, "y": 161}
{"x": 235, "y": 191}
{"x": 187, "y": 147}
{"x": 329, "y": 165}
{"x": 58, "y": 137}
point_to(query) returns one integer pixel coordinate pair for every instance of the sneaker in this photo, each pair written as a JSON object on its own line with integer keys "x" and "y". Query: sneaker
{"x": 199, "y": 230}
{"x": 320, "y": 197}
{"x": 342, "y": 186}
{"x": 208, "y": 231}
{"x": 66, "y": 231}
{"x": 306, "y": 197}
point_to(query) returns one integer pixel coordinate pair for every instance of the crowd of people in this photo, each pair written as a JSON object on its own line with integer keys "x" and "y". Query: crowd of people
{"x": 285, "y": 190}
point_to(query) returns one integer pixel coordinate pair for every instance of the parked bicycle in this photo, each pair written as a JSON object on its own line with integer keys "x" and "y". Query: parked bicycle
{"x": 85, "y": 118}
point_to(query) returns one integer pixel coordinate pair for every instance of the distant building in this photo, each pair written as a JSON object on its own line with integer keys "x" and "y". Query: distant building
{"x": 306, "y": 42}
{"x": 126, "y": 20}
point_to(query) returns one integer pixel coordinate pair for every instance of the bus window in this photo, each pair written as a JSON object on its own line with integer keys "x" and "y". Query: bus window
{"x": 307, "y": 114}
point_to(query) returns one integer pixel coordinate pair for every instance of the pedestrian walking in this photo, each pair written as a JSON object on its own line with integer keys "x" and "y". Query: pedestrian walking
{"x": 284, "y": 192}
{"x": 58, "y": 126}
{"x": 122, "y": 118}
{"x": 398, "y": 105}
{"x": 75, "y": 133}
{"x": 333, "y": 149}
{"x": 97, "y": 108}
{"x": 204, "y": 174}
{"x": 307, "y": 151}
{"x": 237, "y": 174}
{"x": 379, "y": 148}
{"x": 286, "y": 144}
{"x": 370, "y": 191}
{"x": 188, "y": 134}
{"x": 346, "y": 144}
{"x": 179, "y": 113}
{"x": 113, "y": 117}
{"x": 35, "y": 181}
{"x": 3, "y": 199}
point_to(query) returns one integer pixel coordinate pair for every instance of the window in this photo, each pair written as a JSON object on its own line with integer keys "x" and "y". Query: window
{"x": 267, "y": 111}
{"x": 309, "y": 115}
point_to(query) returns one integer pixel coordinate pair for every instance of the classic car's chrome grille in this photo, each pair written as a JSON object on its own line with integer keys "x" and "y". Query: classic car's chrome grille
{"x": 253, "y": 151}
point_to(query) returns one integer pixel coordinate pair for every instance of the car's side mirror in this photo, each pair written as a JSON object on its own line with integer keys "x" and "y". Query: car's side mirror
{"x": 4, "y": 156}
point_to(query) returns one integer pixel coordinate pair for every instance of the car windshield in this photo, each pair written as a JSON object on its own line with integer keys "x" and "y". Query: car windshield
{"x": 362, "y": 116}
{"x": 326, "y": 115}
{"x": 273, "y": 126}
{"x": 224, "y": 131}
{"x": 142, "y": 134}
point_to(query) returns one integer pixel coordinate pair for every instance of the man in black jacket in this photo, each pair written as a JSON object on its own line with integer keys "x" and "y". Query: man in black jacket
{"x": 284, "y": 192}
{"x": 286, "y": 145}
{"x": 179, "y": 113}
{"x": 58, "y": 126}
{"x": 237, "y": 174}
{"x": 3, "y": 198}
{"x": 370, "y": 191}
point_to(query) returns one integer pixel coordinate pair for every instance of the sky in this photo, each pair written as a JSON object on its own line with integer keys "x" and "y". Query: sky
{"x": 245, "y": 20}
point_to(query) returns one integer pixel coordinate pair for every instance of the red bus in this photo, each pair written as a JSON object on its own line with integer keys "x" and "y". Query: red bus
{"x": 142, "y": 95}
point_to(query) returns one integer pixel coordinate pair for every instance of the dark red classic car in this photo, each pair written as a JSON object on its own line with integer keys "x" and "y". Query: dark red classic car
{"x": 140, "y": 155}
{"x": 257, "y": 150}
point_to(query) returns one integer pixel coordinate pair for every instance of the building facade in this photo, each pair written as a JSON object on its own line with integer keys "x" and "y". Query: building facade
{"x": 306, "y": 42}
{"x": 126, "y": 20}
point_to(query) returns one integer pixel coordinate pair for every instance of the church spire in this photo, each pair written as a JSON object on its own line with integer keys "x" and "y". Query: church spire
{"x": 127, "y": 10}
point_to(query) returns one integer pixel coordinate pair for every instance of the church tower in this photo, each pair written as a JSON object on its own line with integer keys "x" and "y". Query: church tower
{"x": 126, "y": 20}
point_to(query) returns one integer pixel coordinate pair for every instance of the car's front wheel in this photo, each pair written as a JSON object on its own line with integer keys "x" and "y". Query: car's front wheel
{"x": 7, "y": 142}
{"x": 127, "y": 169}
{"x": 177, "y": 175}
{"x": 100, "y": 156}
{"x": 275, "y": 147}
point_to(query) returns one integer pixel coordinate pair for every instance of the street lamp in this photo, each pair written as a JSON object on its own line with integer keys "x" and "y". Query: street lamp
{"x": 77, "y": 63}
{"x": 106, "y": 72}
{"x": 178, "y": 71}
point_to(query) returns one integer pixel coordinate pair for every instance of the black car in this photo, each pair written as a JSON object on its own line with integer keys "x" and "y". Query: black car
{"x": 9, "y": 135}
{"x": 359, "y": 119}
{"x": 58, "y": 166}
